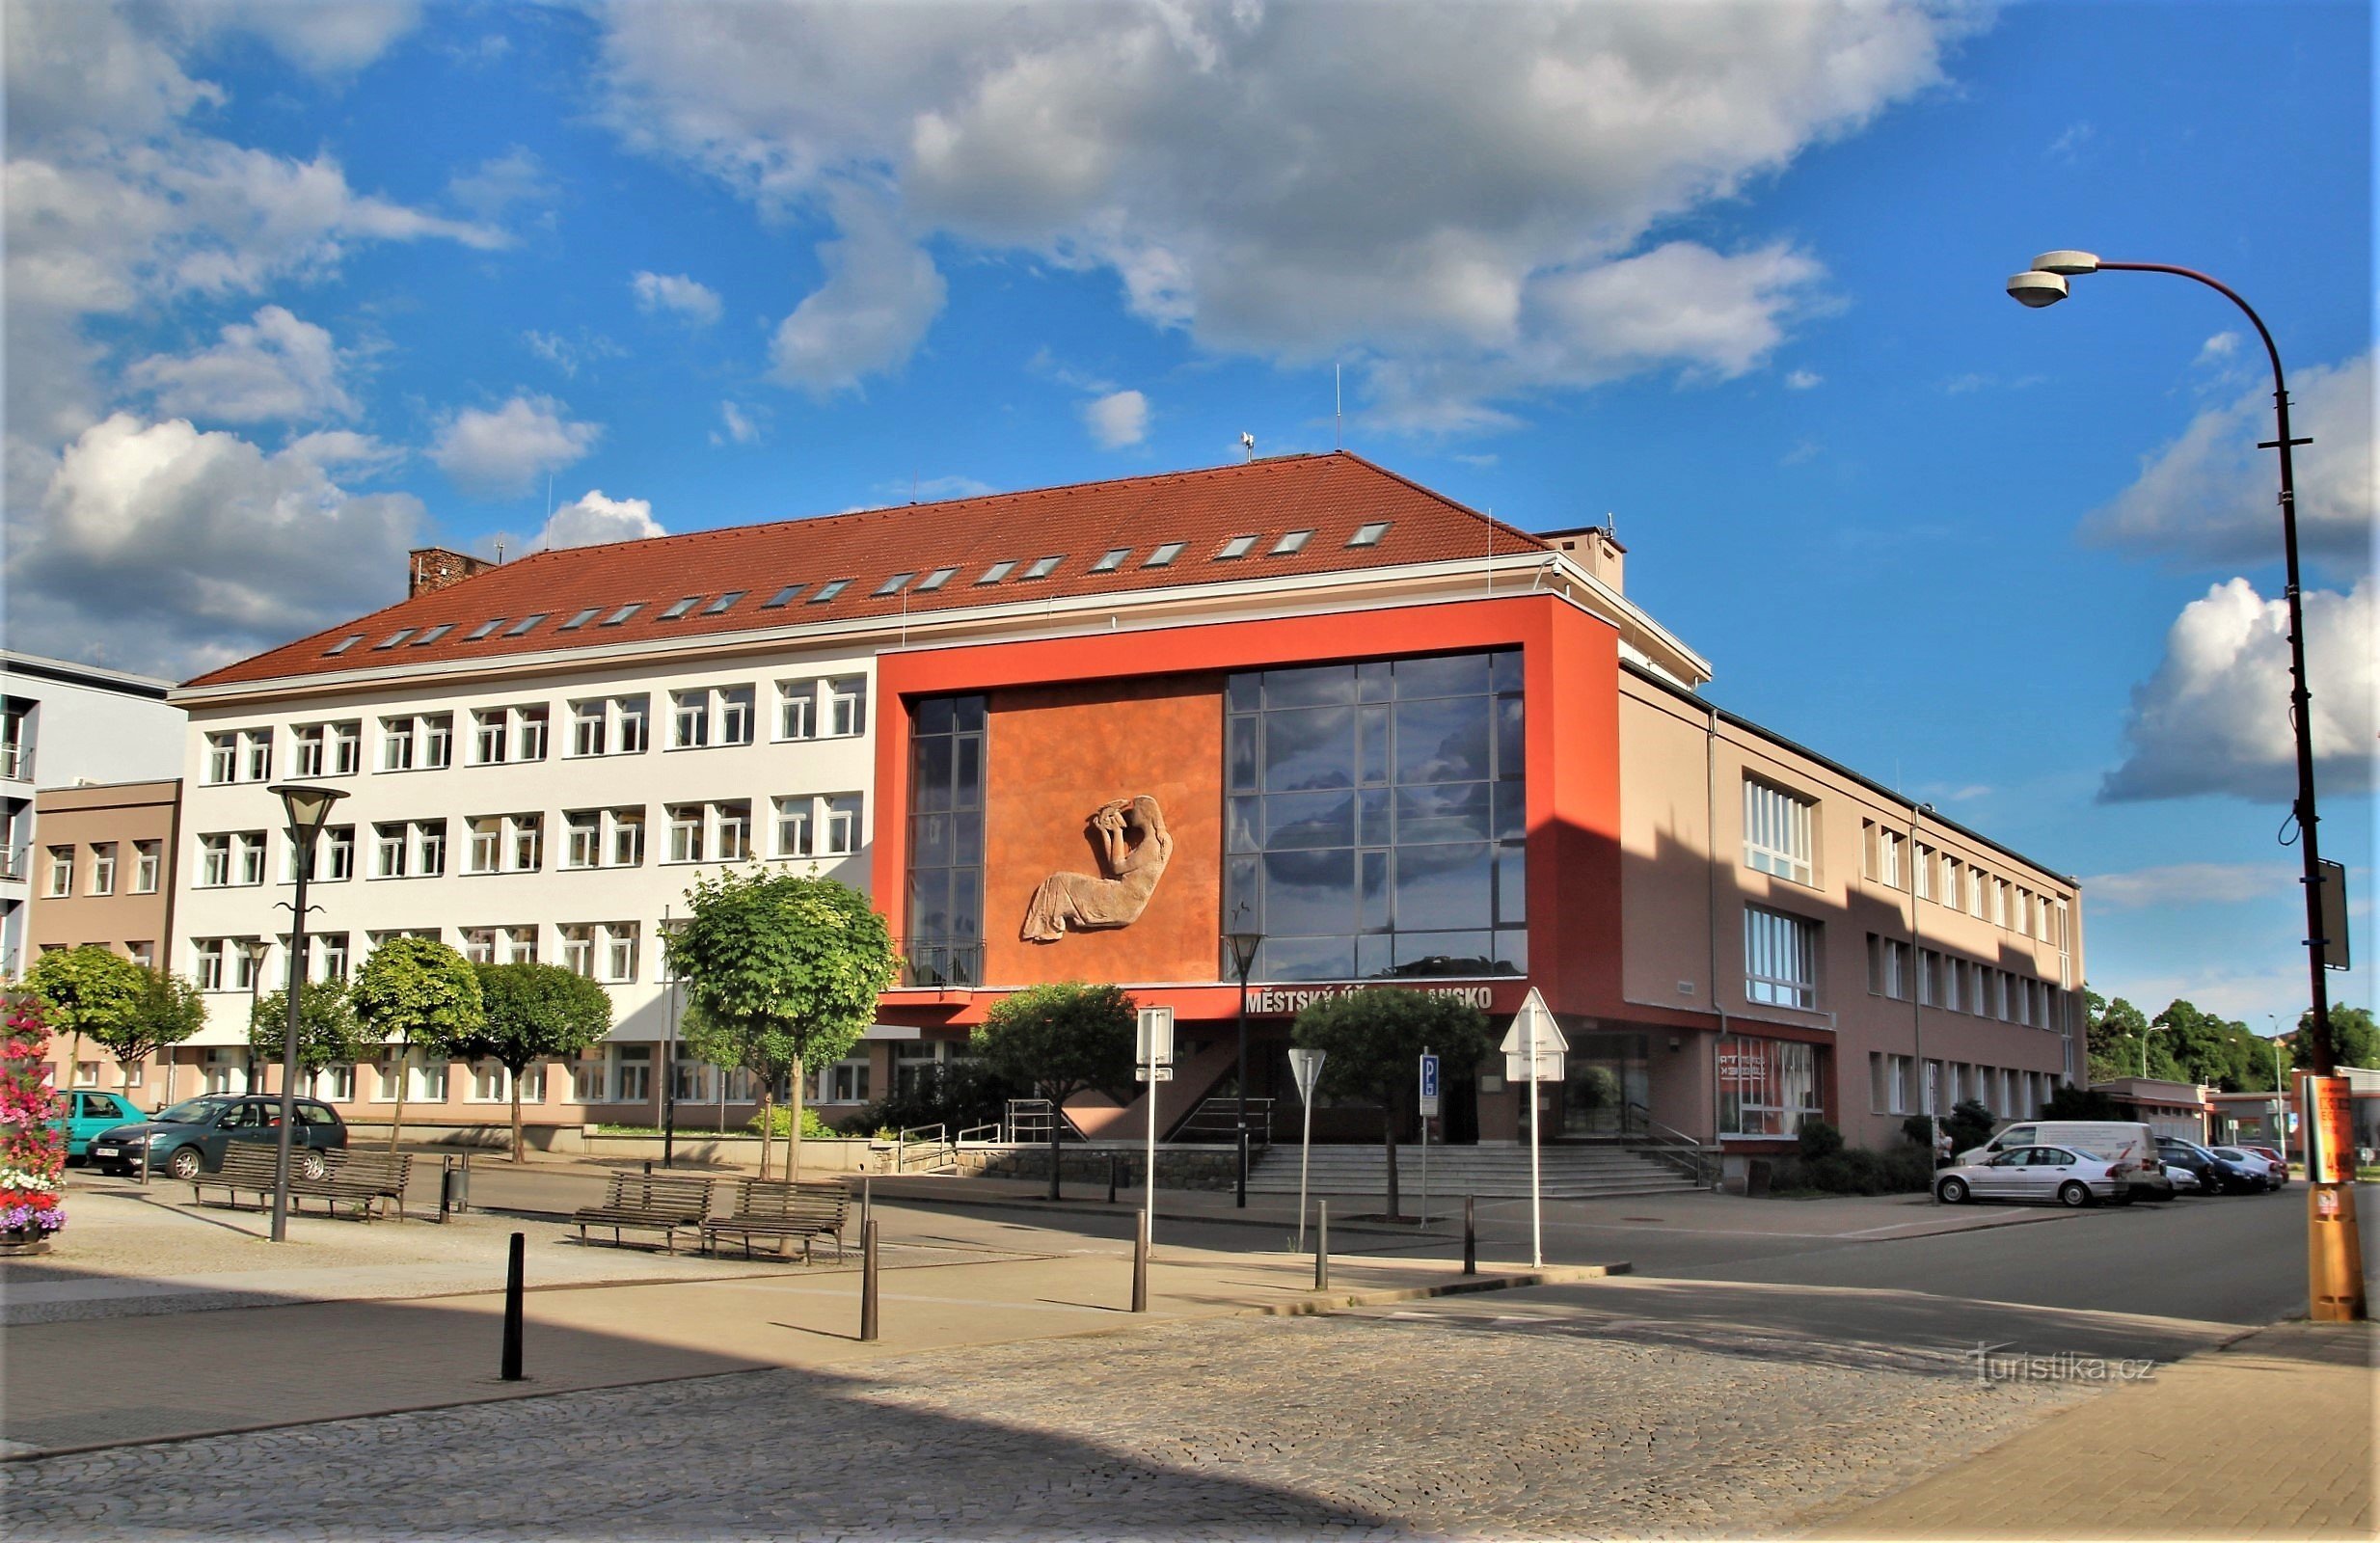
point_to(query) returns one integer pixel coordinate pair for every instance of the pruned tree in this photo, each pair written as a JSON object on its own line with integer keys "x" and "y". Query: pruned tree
{"x": 171, "y": 1009}
{"x": 781, "y": 973}
{"x": 1372, "y": 1042}
{"x": 417, "y": 991}
{"x": 532, "y": 1013}
{"x": 85, "y": 991}
{"x": 1061, "y": 1039}
{"x": 327, "y": 1033}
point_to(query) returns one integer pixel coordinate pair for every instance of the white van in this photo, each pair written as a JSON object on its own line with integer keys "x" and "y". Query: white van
{"x": 2118, "y": 1141}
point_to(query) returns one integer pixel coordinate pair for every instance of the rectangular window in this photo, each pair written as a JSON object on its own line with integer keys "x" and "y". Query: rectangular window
{"x": 627, "y": 838}
{"x": 526, "y": 625}
{"x": 846, "y": 705}
{"x": 1780, "y": 958}
{"x": 1922, "y": 870}
{"x": 330, "y": 955}
{"x": 528, "y": 733}
{"x": 1235, "y": 547}
{"x": 619, "y": 956}
{"x": 686, "y": 821}
{"x": 935, "y": 579}
{"x": 206, "y": 956}
{"x": 306, "y": 747}
{"x": 1776, "y": 831}
{"x": 430, "y": 836}
{"x": 396, "y": 744}
{"x": 248, "y": 857}
{"x": 346, "y": 749}
{"x": 147, "y": 867}
{"x": 736, "y": 714}
{"x": 214, "y": 864}
{"x": 491, "y": 733}
{"x": 222, "y": 755}
{"x": 389, "y": 850}
{"x": 1044, "y": 567}
{"x": 587, "y": 722}
{"x": 796, "y": 710}
{"x": 528, "y": 837}
{"x": 335, "y": 854}
{"x": 1164, "y": 556}
{"x": 1112, "y": 560}
{"x": 437, "y": 741}
{"x": 487, "y": 844}
{"x": 61, "y": 883}
{"x": 630, "y": 717}
{"x": 945, "y": 943}
{"x": 795, "y": 837}
{"x": 735, "y": 831}
{"x": 256, "y": 754}
{"x": 579, "y": 946}
{"x": 583, "y": 845}
{"x": 894, "y": 584}
{"x": 841, "y": 836}
{"x": 1888, "y": 968}
{"x": 1766, "y": 1087}
{"x": 479, "y": 944}
{"x": 723, "y": 604}
{"x": 1368, "y": 535}
{"x": 691, "y": 715}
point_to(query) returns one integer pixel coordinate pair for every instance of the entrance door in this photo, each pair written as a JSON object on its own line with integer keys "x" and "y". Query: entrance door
{"x": 1605, "y": 1087}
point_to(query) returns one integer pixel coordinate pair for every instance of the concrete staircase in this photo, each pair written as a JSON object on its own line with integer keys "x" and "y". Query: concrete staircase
{"x": 1567, "y": 1173}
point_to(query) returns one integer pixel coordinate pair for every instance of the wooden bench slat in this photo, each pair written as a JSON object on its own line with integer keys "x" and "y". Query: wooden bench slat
{"x": 766, "y": 1207}
{"x": 657, "y": 1203}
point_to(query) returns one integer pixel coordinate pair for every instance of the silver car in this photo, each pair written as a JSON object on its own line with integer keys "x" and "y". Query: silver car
{"x": 2057, "y": 1174}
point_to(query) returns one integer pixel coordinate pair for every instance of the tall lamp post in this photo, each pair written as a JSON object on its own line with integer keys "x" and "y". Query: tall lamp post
{"x": 2153, "y": 1029}
{"x": 1244, "y": 946}
{"x": 2341, "y": 1258}
{"x": 308, "y": 809}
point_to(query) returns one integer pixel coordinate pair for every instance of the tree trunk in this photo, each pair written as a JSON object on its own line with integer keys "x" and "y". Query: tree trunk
{"x": 767, "y": 1133}
{"x": 396, "y": 1120}
{"x": 1388, "y": 1135}
{"x": 793, "y": 1147}
{"x": 517, "y": 1154}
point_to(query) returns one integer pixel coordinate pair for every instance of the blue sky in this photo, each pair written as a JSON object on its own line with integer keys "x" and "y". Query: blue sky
{"x": 327, "y": 281}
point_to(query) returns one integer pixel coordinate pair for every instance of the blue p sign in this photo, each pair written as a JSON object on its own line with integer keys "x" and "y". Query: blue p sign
{"x": 1429, "y": 1076}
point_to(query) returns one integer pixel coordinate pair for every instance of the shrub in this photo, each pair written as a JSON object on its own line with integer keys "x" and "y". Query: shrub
{"x": 1857, "y": 1171}
{"x": 1969, "y": 1124}
{"x": 1820, "y": 1139}
{"x": 781, "y": 1122}
{"x": 959, "y": 1094}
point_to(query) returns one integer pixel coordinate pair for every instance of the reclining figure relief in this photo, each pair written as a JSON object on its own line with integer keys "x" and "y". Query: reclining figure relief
{"x": 1133, "y": 848}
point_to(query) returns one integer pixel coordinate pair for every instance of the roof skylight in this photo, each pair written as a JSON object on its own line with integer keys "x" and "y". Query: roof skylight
{"x": 624, "y": 612}
{"x": 1164, "y": 556}
{"x": 722, "y": 603}
{"x": 895, "y": 584}
{"x": 1368, "y": 535}
{"x": 1113, "y": 561}
{"x": 1044, "y": 567}
{"x": 1292, "y": 542}
{"x": 829, "y": 590}
{"x": 521, "y": 628}
{"x": 934, "y": 579}
{"x": 997, "y": 572}
{"x": 783, "y": 597}
{"x": 393, "y": 639}
{"x": 1236, "y": 547}
{"x": 679, "y": 607}
{"x": 483, "y": 629}
{"x": 344, "y": 644}
{"x": 579, "y": 618}
{"x": 434, "y": 633}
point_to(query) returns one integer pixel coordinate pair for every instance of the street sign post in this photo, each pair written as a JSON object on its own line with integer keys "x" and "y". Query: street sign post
{"x": 1533, "y": 1050}
{"x": 1152, "y": 1055}
{"x": 1429, "y": 1112}
{"x": 1305, "y": 1070}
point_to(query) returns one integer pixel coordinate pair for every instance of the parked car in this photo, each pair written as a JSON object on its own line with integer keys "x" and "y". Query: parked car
{"x": 2216, "y": 1176}
{"x": 2267, "y": 1174}
{"x": 192, "y": 1136}
{"x": 2037, "y": 1173}
{"x": 2115, "y": 1141}
{"x": 2184, "y": 1179}
{"x": 2278, "y": 1158}
{"x": 83, "y": 1114}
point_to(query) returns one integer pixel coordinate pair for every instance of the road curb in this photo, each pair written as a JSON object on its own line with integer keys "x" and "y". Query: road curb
{"x": 1316, "y": 1305}
{"x": 1099, "y": 1207}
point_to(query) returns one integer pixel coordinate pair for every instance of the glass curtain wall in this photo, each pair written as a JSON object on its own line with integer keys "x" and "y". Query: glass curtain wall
{"x": 1377, "y": 821}
{"x": 945, "y": 945}
{"x": 1766, "y": 1087}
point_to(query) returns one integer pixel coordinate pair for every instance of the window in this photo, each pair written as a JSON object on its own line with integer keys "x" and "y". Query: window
{"x": 433, "y": 634}
{"x": 528, "y": 733}
{"x": 735, "y": 831}
{"x": 430, "y": 848}
{"x": 1374, "y": 823}
{"x": 147, "y": 867}
{"x": 997, "y": 572}
{"x": 736, "y": 714}
{"x": 306, "y": 747}
{"x": 680, "y": 608}
{"x": 513, "y": 843}
{"x": 1766, "y": 1087}
{"x": 206, "y": 958}
{"x": 685, "y": 830}
{"x": 842, "y": 828}
{"x": 1888, "y": 968}
{"x": 1780, "y": 958}
{"x": 605, "y": 838}
{"x": 482, "y": 629}
{"x": 846, "y": 705}
{"x": 1112, "y": 560}
{"x": 623, "y": 613}
{"x": 935, "y": 579}
{"x": 248, "y": 857}
{"x": 783, "y": 597}
{"x": 1776, "y": 831}
{"x": 346, "y": 749}
{"x": 1884, "y": 850}
{"x": 632, "y": 1072}
{"x": 895, "y": 584}
{"x": 257, "y": 755}
{"x": 1368, "y": 535}
{"x": 1952, "y": 874}
{"x": 844, "y": 1082}
{"x": 487, "y": 845}
{"x": 795, "y": 830}
{"x": 1235, "y": 547}
{"x": 526, "y": 625}
{"x": 829, "y": 590}
{"x": 627, "y": 838}
{"x": 214, "y": 864}
{"x": 501, "y": 945}
{"x": 330, "y": 955}
{"x": 241, "y": 755}
{"x": 579, "y": 949}
{"x": 491, "y": 734}
{"x": 1978, "y": 882}
{"x": 1044, "y": 567}
{"x": 587, "y": 722}
{"x": 691, "y": 711}
{"x": 945, "y": 941}
{"x": 528, "y": 834}
{"x": 710, "y": 715}
{"x": 222, "y": 758}
{"x": 723, "y": 604}
{"x": 344, "y": 644}
{"x": 61, "y": 883}
{"x": 583, "y": 843}
{"x": 619, "y": 952}
{"x": 578, "y": 619}
{"x": 1164, "y": 556}
{"x": 335, "y": 854}
{"x": 396, "y": 744}
{"x": 1290, "y": 544}
{"x": 796, "y": 710}
{"x": 423, "y": 740}
{"x": 1999, "y": 903}
{"x": 604, "y": 725}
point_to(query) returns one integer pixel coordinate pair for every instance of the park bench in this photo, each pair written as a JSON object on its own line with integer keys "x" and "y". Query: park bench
{"x": 248, "y": 1169}
{"x": 368, "y": 1181}
{"x": 661, "y": 1204}
{"x": 766, "y": 1207}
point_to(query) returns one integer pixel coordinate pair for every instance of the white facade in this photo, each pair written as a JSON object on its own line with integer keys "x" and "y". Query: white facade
{"x": 61, "y": 724}
{"x": 516, "y": 879}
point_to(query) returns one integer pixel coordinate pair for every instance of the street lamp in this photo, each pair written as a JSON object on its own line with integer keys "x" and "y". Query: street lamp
{"x": 2044, "y": 283}
{"x": 2153, "y": 1028}
{"x": 308, "y": 809}
{"x": 1244, "y": 946}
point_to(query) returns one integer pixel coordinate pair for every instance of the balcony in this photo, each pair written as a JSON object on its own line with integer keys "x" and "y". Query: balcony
{"x": 15, "y": 763}
{"x": 939, "y": 964}
{"x": 15, "y": 862}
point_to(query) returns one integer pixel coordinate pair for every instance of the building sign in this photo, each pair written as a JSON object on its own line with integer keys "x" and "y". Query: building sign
{"x": 1298, "y": 998}
{"x": 1743, "y": 1068}
{"x": 2330, "y": 1152}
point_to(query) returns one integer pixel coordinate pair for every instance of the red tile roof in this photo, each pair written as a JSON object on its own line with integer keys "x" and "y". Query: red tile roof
{"x": 1331, "y": 495}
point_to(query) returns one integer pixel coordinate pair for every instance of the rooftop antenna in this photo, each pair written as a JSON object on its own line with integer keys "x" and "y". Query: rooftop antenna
{"x": 1248, "y": 445}
{"x": 1339, "y": 406}
{"x": 499, "y": 552}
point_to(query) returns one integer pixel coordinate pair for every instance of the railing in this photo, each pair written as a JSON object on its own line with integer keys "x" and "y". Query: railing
{"x": 932, "y": 1139}
{"x": 15, "y": 862}
{"x": 17, "y": 763}
{"x": 980, "y": 1136}
{"x": 1029, "y": 1121}
{"x": 1218, "y": 1119}
{"x": 955, "y": 967}
{"x": 1694, "y": 1159}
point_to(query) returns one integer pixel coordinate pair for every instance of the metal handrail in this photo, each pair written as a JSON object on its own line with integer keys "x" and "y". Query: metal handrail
{"x": 1218, "y": 1119}
{"x": 1675, "y": 1146}
{"x": 16, "y": 762}
{"x": 15, "y": 862}
{"x": 1036, "y": 1116}
{"x": 981, "y": 1135}
{"x": 908, "y": 1141}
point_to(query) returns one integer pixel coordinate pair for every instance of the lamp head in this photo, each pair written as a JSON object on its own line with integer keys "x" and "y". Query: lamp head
{"x": 2068, "y": 263}
{"x": 308, "y": 807}
{"x": 1244, "y": 946}
{"x": 2035, "y": 289}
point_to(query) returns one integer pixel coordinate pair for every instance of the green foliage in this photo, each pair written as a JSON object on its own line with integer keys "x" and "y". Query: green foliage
{"x": 328, "y": 1034}
{"x": 88, "y": 989}
{"x": 1373, "y": 1041}
{"x": 781, "y": 969}
{"x": 1919, "y": 1130}
{"x": 417, "y": 991}
{"x": 171, "y": 1009}
{"x": 2354, "y": 1040}
{"x": 1061, "y": 1039}
{"x": 2070, "y": 1102}
{"x": 532, "y": 1013}
{"x": 1969, "y": 1124}
{"x": 2113, "y": 1039}
{"x": 1855, "y": 1171}
{"x": 780, "y": 1122}
{"x": 958, "y": 1096}
{"x": 1818, "y": 1139}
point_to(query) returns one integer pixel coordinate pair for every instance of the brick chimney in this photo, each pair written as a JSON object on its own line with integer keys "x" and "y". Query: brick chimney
{"x": 435, "y": 568}
{"x": 1595, "y": 549}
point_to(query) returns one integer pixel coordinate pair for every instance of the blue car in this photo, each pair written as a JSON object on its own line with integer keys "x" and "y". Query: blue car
{"x": 83, "y": 1114}
{"x": 191, "y": 1137}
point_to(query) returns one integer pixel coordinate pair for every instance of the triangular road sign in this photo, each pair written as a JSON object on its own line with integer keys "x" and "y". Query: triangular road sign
{"x": 1533, "y": 1030}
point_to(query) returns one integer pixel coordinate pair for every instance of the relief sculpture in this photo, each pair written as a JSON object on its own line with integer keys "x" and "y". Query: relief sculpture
{"x": 1133, "y": 848}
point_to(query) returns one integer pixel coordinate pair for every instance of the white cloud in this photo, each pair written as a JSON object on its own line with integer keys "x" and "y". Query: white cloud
{"x": 2190, "y": 883}
{"x": 591, "y": 519}
{"x": 2215, "y": 715}
{"x": 735, "y": 426}
{"x": 491, "y": 189}
{"x": 2208, "y": 497}
{"x": 1802, "y": 380}
{"x": 881, "y": 293}
{"x": 160, "y": 546}
{"x": 1118, "y": 419}
{"x": 682, "y": 297}
{"x": 500, "y": 453}
{"x": 2222, "y": 346}
{"x": 1434, "y": 187}
{"x": 570, "y": 355}
{"x": 274, "y": 366}
{"x": 336, "y": 39}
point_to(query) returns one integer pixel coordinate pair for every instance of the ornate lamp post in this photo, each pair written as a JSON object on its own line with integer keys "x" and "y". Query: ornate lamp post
{"x": 2338, "y": 1285}
{"x": 1244, "y": 946}
{"x": 308, "y": 808}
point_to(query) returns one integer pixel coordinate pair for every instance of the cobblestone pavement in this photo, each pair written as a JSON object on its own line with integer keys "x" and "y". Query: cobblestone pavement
{"x": 1247, "y": 1428}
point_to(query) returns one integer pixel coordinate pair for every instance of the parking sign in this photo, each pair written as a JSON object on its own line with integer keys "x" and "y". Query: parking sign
{"x": 1429, "y": 1086}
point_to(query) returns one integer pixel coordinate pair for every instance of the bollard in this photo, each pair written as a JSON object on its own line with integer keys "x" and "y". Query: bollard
{"x": 1111, "y": 1178}
{"x": 1322, "y": 1245}
{"x": 1471, "y": 1238}
{"x": 513, "y": 1271}
{"x": 867, "y": 1283}
{"x": 1242, "y": 1201}
{"x": 648, "y": 1168}
{"x": 867, "y": 1205}
{"x": 1140, "y": 1264}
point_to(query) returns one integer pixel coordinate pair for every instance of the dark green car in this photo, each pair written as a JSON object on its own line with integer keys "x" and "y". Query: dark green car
{"x": 191, "y": 1137}
{"x": 83, "y": 1114}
